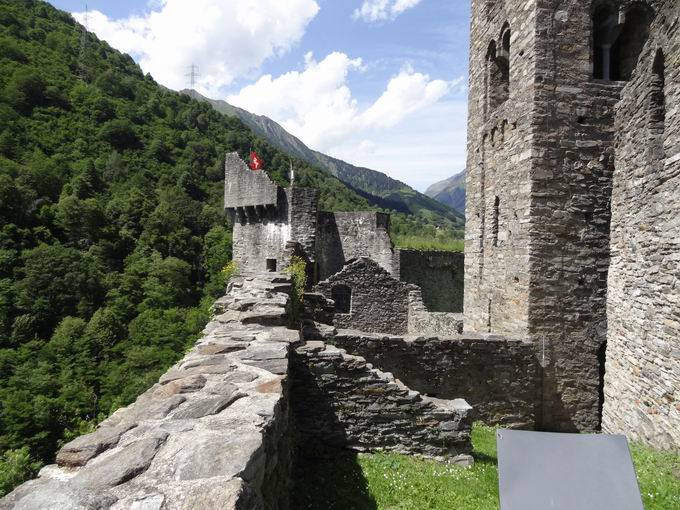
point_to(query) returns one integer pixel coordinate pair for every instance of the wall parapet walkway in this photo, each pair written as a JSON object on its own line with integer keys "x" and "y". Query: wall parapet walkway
{"x": 212, "y": 433}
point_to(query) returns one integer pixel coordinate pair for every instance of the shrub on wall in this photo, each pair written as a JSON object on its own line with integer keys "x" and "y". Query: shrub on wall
{"x": 297, "y": 269}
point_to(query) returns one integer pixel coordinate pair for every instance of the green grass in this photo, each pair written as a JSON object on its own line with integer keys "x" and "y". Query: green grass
{"x": 426, "y": 243}
{"x": 397, "y": 482}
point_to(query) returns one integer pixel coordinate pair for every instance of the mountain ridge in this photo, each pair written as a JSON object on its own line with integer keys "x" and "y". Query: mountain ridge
{"x": 450, "y": 191}
{"x": 378, "y": 188}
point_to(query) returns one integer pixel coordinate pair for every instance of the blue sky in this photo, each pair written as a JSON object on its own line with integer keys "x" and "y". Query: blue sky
{"x": 378, "y": 83}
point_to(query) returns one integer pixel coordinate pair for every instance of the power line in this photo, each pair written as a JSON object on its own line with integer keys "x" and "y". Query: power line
{"x": 192, "y": 75}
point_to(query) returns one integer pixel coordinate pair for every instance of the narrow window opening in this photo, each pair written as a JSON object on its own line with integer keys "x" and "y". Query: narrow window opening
{"x": 618, "y": 40}
{"x": 496, "y": 219}
{"x": 656, "y": 123}
{"x": 658, "y": 93}
{"x": 271, "y": 265}
{"x": 342, "y": 295}
{"x": 497, "y": 73}
{"x": 488, "y": 317}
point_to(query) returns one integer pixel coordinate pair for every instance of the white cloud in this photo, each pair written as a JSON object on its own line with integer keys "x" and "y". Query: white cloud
{"x": 317, "y": 105}
{"x": 227, "y": 39}
{"x": 372, "y": 11}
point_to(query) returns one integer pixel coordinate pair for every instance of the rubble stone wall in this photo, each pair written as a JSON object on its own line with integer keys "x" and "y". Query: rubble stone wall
{"x": 423, "y": 322}
{"x": 379, "y": 302}
{"x": 344, "y": 236}
{"x": 342, "y": 402}
{"x": 439, "y": 274}
{"x": 642, "y": 378}
{"x": 214, "y": 432}
{"x": 500, "y": 378}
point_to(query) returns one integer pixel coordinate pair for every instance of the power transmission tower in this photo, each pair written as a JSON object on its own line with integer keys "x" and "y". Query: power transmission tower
{"x": 192, "y": 75}
{"x": 83, "y": 45}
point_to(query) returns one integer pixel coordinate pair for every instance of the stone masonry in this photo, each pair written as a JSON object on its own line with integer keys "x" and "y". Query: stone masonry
{"x": 499, "y": 377}
{"x": 341, "y": 401}
{"x": 439, "y": 274}
{"x": 545, "y": 80}
{"x": 218, "y": 429}
{"x": 214, "y": 432}
{"x": 642, "y": 378}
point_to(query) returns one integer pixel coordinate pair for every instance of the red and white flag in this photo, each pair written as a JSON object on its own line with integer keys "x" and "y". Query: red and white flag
{"x": 255, "y": 162}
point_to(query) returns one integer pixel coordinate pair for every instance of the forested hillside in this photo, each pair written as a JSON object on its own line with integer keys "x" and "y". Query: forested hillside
{"x": 112, "y": 234}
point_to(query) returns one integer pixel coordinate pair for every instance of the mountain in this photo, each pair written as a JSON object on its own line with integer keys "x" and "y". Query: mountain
{"x": 450, "y": 191}
{"x": 377, "y": 188}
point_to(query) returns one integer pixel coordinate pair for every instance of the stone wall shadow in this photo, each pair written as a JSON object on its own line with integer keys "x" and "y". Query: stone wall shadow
{"x": 325, "y": 475}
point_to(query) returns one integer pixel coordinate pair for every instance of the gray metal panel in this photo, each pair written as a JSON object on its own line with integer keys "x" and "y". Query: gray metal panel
{"x": 547, "y": 471}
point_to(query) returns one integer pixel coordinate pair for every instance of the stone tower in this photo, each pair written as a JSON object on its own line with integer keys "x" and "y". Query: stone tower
{"x": 545, "y": 77}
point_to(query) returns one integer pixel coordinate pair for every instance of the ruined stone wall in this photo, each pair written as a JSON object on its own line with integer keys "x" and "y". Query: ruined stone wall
{"x": 499, "y": 377}
{"x": 378, "y": 301}
{"x": 244, "y": 187}
{"x": 214, "y": 432}
{"x": 439, "y": 274}
{"x": 343, "y": 236}
{"x": 642, "y": 379}
{"x": 423, "y": 322}
{"x": 341, "y": 402}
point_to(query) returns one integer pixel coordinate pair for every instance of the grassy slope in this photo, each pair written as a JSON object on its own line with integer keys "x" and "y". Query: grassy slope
{"x": 397, "y": 482}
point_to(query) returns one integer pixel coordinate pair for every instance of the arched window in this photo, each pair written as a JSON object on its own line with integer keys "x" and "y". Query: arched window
{"x": 342, "y": 295}
{"x": 497, "y": 74}
{"x": 618, "y": 40}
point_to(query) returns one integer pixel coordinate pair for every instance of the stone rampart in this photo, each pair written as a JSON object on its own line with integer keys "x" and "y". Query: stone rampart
{"x": 214, "y": 432}
{"x": 500, "y": 378}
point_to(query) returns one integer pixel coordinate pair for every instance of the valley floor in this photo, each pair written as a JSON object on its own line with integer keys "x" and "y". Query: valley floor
{"x": 396, "y": 482}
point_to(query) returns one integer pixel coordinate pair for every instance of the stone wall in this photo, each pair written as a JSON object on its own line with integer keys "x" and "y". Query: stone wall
{"x": 499, "y": 163}
{"x": 214, "y": 432}
{"x": 259, "y": 238}
{"x": 500, "y": 378}
{"x": 303, "y": 204}
{"x": 439, "y": 274}
{"x": 378, "y": 302}
{"x": 540, "y": 165}
{"x": 341, "y": 402}
{"x": 244, "y": 187}
{"x": 423, "y": 322}
{"x": 642, "y": 379}
{"x": 343, "y": 236}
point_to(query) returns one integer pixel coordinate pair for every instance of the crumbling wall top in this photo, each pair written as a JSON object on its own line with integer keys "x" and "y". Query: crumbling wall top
{"x": 244, "y": 187}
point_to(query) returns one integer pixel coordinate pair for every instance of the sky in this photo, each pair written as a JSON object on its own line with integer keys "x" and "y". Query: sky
{"x": 377, "y": 83}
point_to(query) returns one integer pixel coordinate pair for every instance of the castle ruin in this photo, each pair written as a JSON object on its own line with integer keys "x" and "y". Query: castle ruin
{"x": 572, "y": 239}
{"x": 571, "y": 305}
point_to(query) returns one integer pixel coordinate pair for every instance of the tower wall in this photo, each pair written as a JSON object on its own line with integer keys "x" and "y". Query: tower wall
{"x": 540, "y": 167}
{"x": 642, "y": 379}
{"x": 499, "y": 164}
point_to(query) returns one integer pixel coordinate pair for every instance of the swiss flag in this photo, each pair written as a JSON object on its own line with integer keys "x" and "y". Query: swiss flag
{"x": 255, "y": 161}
